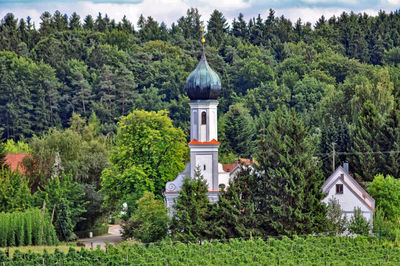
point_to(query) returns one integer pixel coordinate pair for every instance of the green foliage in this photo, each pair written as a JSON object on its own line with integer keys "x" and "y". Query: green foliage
{"x": 82, "y": 153}
{"x": 358, "y": 224}
{"x": 149, "y": 153}
{"x": 25, "y": 228}
{"x": 15, "y": 194}
{"x": 238, "y": 131}
{"x": 149, "y": 223}
{"x": 386, "y": 192}
{"x": 367, "y": 159}
{"x": 289, "y": 182}
{"x": 2, "y": 156}
{"x": 192, "y": 210}
{"x": 382, "y": 227}
{"x": 336, "y": 220}
{"x": 300, "y": 250}
{"x": 234, "y": 214}
{"x": 66, "y": 197}
{"x": 20, "y": 147}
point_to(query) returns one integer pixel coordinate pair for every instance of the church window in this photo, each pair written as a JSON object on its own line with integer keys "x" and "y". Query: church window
{"x": 203, "y": 118}
{"x": 339, "y": 188}
{"x": 204, "y": 167}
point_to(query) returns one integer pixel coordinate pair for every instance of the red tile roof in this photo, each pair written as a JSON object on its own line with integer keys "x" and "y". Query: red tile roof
{"x": 240, "y": 161}
{"x": 196, "y": 142}
{"x": 228, "y": 167}
{"x": 14, "y": 160}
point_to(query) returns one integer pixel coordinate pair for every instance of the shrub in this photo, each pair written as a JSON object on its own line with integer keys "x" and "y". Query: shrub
{"x": 358, "y": 224}
{"x": 386, "y": 192}
{"x": 149, "y": 222}
{"x": 336, "y": 221}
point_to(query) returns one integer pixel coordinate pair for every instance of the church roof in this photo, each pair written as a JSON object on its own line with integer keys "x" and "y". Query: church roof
{"x": 203, "y": 83}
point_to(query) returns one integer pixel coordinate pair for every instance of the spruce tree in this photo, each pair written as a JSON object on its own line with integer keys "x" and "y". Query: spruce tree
{"x": 234, "y": 213}
{"x": 337, "y": 131}
{"x": 390, "y": 142}
{"x": 192, "y": 210}
{"x": 289, "y": 178}
{"x": 367, "y": 159}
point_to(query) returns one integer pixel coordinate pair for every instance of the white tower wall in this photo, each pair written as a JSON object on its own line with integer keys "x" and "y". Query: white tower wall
{"x": 199, "y": 130}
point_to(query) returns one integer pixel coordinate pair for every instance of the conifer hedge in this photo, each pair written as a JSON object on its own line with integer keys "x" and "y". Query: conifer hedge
{"x": 25, "y": 228}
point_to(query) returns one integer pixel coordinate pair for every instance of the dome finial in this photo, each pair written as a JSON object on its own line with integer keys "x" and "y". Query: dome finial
{"x": 202, "y": 35}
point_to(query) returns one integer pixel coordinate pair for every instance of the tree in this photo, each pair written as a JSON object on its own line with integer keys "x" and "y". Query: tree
{"x": 149, "y": 222}
{"x": 358, "y": 224}
{"x": 217, "y": 27}
{"x": 66, "y": 197}
{"x": 386, "y": 192}
{"x": 192, "y": 210}
{"x": 367, "y": 158}
{"x": 234, "y": 214}
{"x": 390, "y": 142}
{"x": 290, "y": 180}
{"x": 149, "y": 153}
{"x": 3, "y": 154}
{"x": 336, "y": 220}
{"x": 238, "y": 131}
{"x": 15, "y": 194}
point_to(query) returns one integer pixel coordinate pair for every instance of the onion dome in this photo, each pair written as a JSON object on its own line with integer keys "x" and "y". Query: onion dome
{"x": 203, "y": 83}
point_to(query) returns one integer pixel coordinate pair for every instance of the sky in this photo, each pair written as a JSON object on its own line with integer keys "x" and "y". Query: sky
{"x": 169, "y": 11}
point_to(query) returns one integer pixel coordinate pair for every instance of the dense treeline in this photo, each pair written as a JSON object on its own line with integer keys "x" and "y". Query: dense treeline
{"x": 340, "y": 75}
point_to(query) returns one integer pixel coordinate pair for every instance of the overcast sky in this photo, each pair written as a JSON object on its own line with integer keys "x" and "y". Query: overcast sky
{"x": 170, "y": 10}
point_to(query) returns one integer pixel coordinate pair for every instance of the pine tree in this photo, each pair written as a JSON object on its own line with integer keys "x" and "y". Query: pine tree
{"x": 367, "y": 159}
{"x": 126, "y": 86}
{"x": 289, "y": 186}
{"x": 390, "y": 142}
{"x": 192, "y": 210}
{"x": 334, "y": 131}
{"x": 234, "y": 213}
{"x": 217, "y": 27}
{"x": 238, "y": 130}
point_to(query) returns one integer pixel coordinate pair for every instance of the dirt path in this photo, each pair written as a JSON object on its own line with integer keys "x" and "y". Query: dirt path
{"x": 113, "y": 237}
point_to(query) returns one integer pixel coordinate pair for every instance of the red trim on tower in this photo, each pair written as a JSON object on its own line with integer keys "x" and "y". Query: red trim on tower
{"x": 196, "y": 142}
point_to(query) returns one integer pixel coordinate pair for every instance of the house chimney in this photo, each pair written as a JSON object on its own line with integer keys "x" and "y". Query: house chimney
{"x": 346, "y": 167}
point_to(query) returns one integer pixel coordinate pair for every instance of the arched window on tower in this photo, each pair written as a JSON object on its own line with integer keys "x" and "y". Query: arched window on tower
{"x": 203, "y": 118}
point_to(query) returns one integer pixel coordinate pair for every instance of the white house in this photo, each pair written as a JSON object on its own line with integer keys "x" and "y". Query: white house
{"x": 342, "y": 187}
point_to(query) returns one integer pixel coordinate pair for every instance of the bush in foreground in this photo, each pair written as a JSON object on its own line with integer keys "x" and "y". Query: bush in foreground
{"x": 149, "y": 222}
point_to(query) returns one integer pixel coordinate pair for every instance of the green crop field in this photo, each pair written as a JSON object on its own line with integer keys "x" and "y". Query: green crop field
{"x": 306, "y": 251}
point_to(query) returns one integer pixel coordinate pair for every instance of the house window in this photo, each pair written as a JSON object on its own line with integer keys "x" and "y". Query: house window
{"x": 203, "y": 118}
{"x": 204, "y": 167}
{"x": 339, "y": 188}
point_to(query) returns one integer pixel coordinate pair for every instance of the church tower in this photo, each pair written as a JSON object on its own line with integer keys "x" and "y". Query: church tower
{"x": 203, "y": 87}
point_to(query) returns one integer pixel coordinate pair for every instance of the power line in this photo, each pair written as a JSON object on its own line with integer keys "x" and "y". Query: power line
{"x": 358, "y": 153}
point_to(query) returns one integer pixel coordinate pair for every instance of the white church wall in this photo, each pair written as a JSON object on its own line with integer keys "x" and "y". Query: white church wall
{"x": 223, "y": 177}
{"x": 205, "y": 161}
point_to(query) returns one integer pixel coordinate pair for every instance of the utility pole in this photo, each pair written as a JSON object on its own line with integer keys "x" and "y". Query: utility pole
{"x": 333, "y": 156}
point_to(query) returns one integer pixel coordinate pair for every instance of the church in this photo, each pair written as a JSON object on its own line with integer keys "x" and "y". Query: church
{"x": 203, "y": 87}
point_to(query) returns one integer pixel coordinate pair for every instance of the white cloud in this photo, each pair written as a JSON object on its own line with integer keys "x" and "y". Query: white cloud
{"x": 391, "y": 2}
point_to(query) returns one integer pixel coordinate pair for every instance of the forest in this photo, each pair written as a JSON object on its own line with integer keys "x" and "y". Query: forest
{"x": 76, "y": 93}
